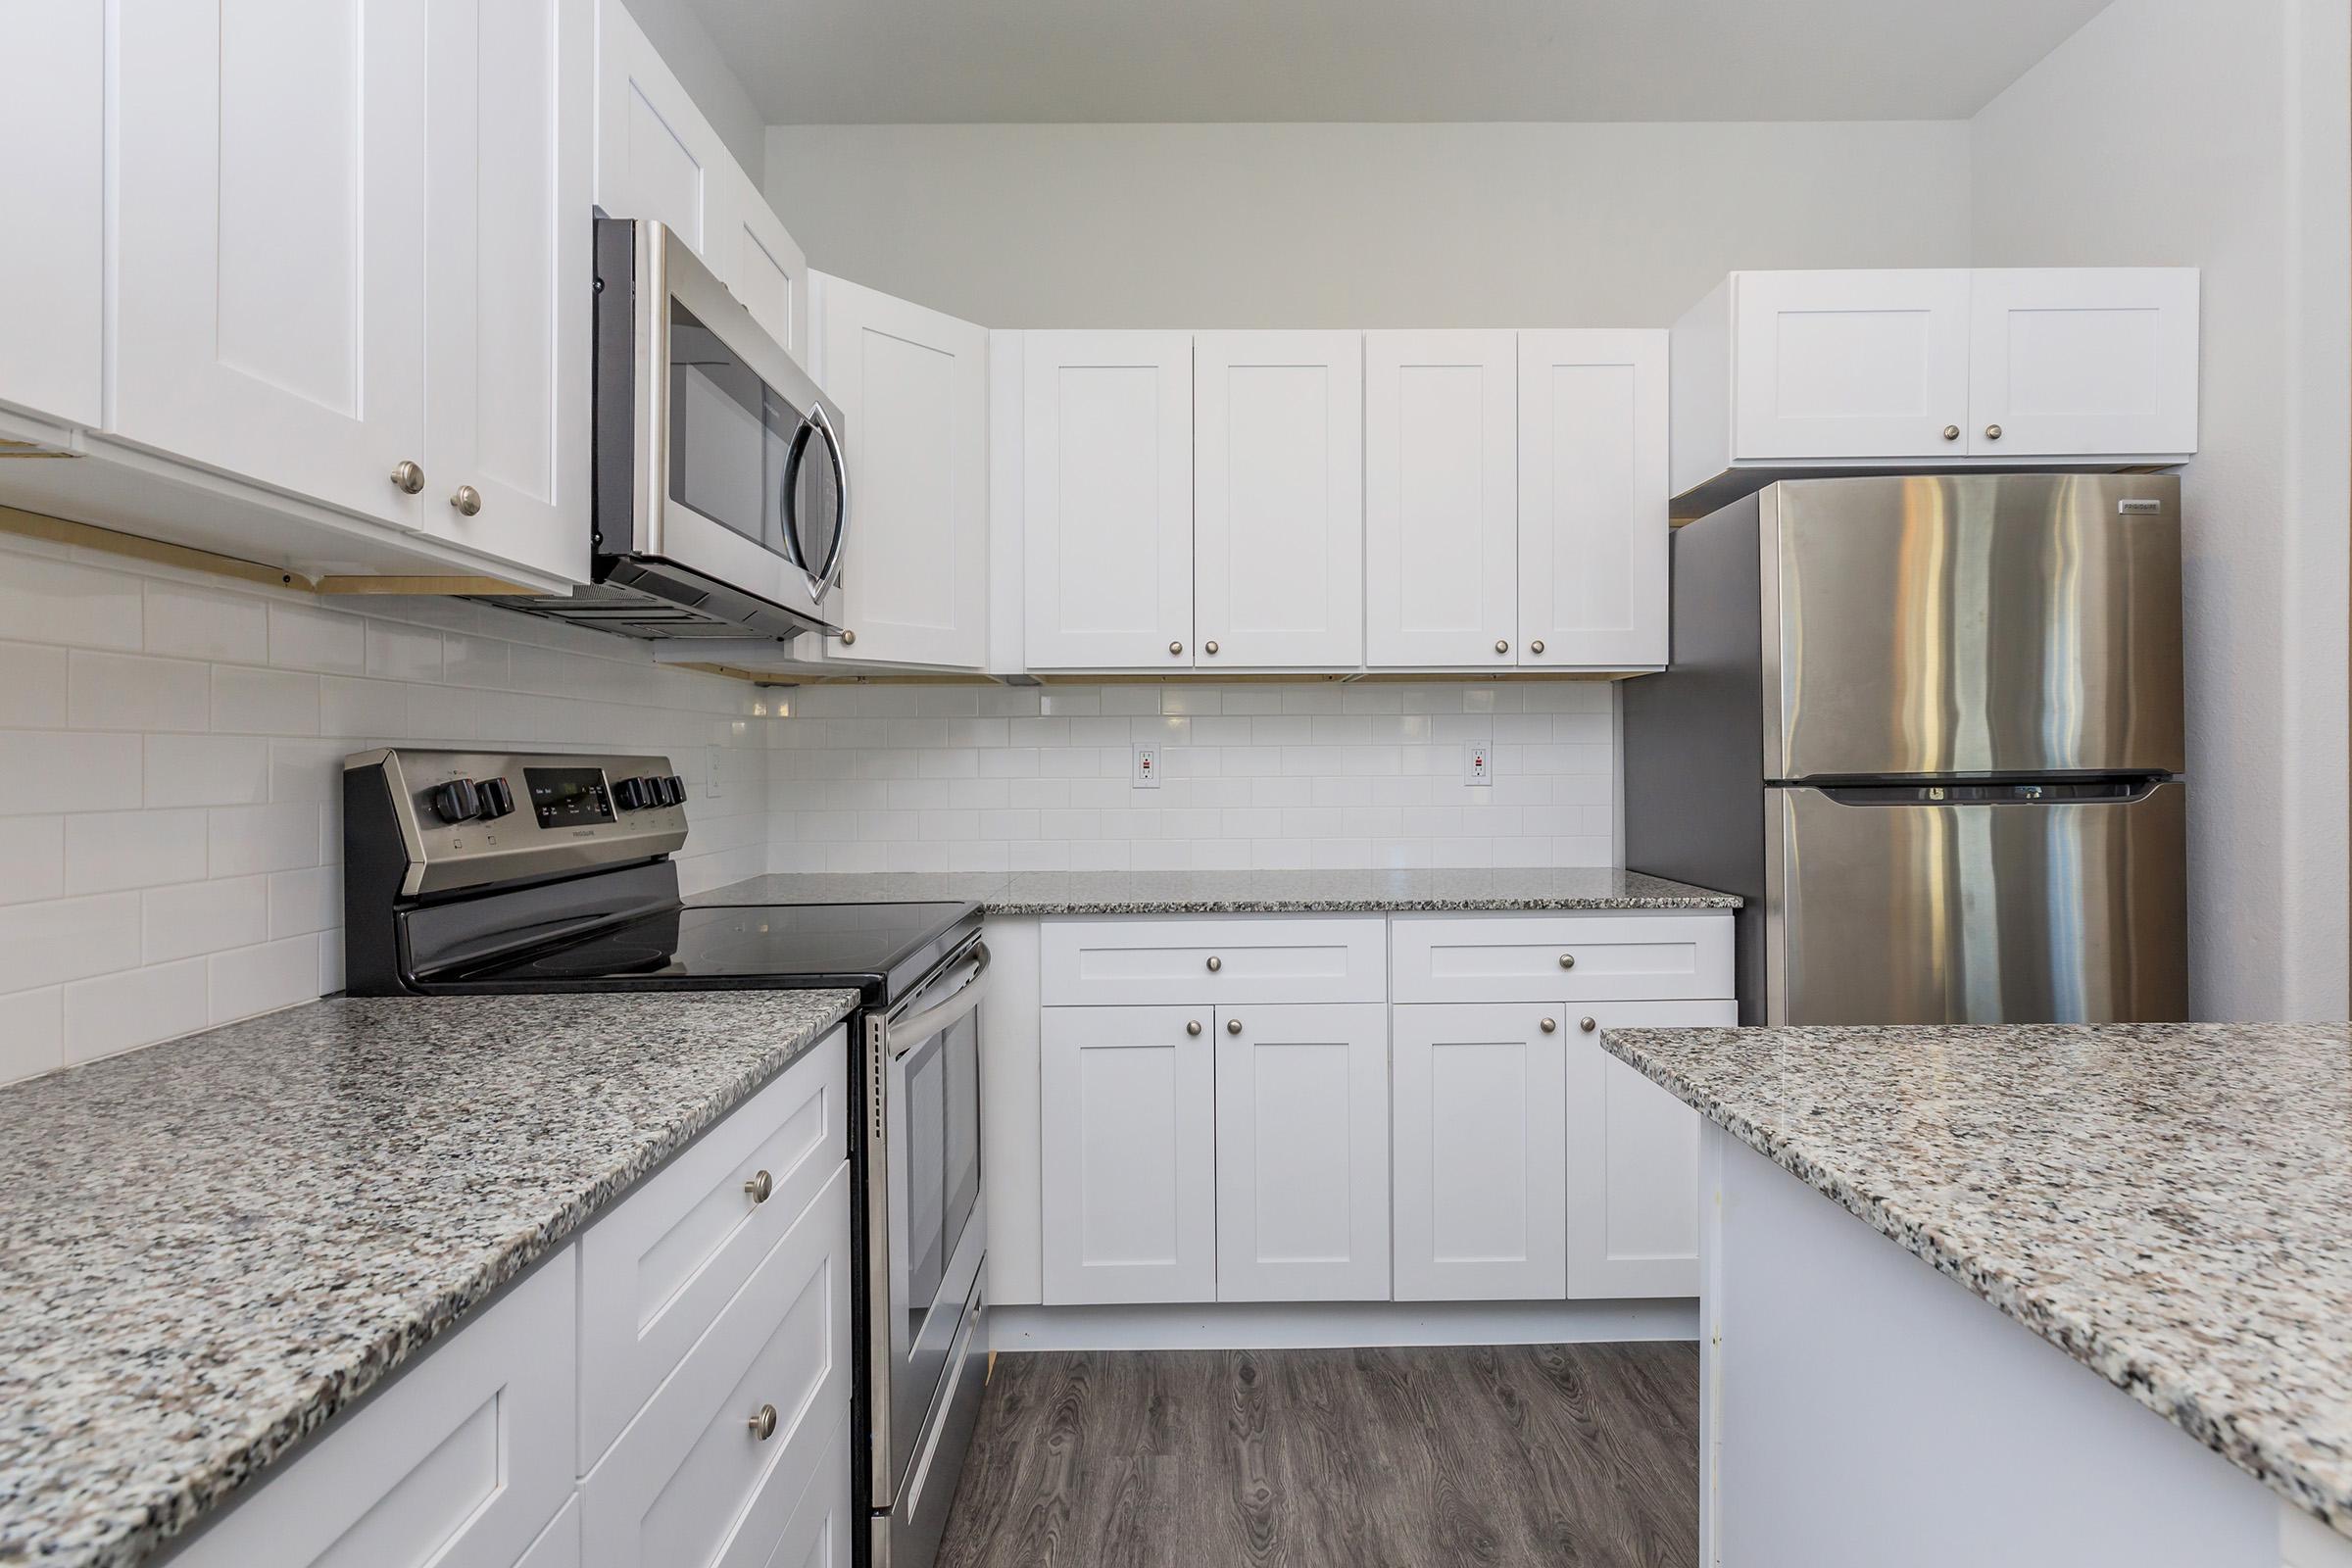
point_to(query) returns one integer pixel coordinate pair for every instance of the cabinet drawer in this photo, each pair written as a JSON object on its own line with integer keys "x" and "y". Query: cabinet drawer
{"x": 1597, "y": 958}
{"x": 1205, "y": 962}
{"x": 656, "y": 1271}
{"x": 459, "y": 1464}
{"x": 819, "y": 1533}
{"x": 692, "y": 1484}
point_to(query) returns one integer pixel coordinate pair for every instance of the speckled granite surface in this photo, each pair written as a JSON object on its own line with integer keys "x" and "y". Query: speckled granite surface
{"x": 209, "y": 1247}
{"x": 2166, "y": 1204}
{"x": 1050, "y": 893}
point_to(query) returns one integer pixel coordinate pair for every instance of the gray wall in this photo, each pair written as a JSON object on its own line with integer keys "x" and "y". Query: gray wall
{"x": 1337, "y": 225}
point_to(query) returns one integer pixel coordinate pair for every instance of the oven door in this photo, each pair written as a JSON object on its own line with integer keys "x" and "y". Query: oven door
{"x": 926, "y": 1235}
{"x": 736, "y": 471}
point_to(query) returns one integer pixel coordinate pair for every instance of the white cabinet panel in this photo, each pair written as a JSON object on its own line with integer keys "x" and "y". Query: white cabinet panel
{"x": 818, "y": 1534}
{"x": 1633, "y": 1157}
{"x": 270, "y": 234}
{"x": 912, "y": 385}
{"x": 1107, "y": 491}
{"x": 1441, "y": 499}
{"x": 1849, "y": 364}
{"x": 53, "y": 121}
{"x": 1593, "y": 528}
{"x": 656, "y": 154}
{"x": 2082, "y": 360}
{"x": 1302, "y": 1153}
{"x": 507, "y": 179}
{"x": 1629, "y": 957}
{"x": 1214, "y": 960}
{"x": 1130, "y": 1155}
{"x": 459, "y": 1464}
{"x": 559, "y": 1544}
{"x": 656, "y": 1271}
{"x": 693, "y": 1483}
{"x": 1278, "y": 514}
{"x": 763, "y": 266}
{"x": 1481, "y": 1184}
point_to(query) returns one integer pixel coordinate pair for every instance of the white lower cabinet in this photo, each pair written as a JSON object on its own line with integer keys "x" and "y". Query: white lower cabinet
{"x": 1480, "y": 1187}
{"x": 559, "y": 1544}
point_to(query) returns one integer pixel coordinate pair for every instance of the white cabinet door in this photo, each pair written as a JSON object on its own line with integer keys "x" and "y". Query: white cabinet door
{"x": 52, "y": 283}
{"x": 1108, "y": 487}
{"x": 459, "y": 1464}
{"x": 1130, "y": 1155}
{"x": 1481, "y": 1186}
{"x": 2082, "y": 360}
{"x": 912, "y": 385}
{"x": 761, "y": 265}
{"x": 1849, "y": 364}
{"x": 268, "y": 271}
{"x": 1277, "y": 500}
{"x": 1633, "y": 1157}
{"x": 656, "y": 154}
{"x": 1592, "y": 526}
{"x": 1441, "y": 499}
{"x": 1302, "y": 1153}
{"x": 507, "y": 181}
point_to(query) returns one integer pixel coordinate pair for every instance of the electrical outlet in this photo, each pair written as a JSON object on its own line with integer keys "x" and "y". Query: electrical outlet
{"x": 1478, "y": 763}
{"x": 1147, "y": 767}
{"x": 717, "y": 756}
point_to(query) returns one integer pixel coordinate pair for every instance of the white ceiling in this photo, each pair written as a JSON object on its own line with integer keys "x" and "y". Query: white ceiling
{"x": 879, "y": 61}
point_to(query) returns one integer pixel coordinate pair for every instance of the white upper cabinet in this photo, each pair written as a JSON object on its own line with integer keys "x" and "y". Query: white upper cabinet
{"x": 270, "y": 236}
{"x": 657, "y": 156}
{"x": 912, "y": 385}
{"x": 1593, "y": 528}
{"x": 1107, "y": 499}
{"x": 507, "y": 325}
{"x": 2087, "y": 360}
{"x": 1278, "y": 517}
{"x": 1854, "y": 363}
{"x": 763, "y": 267}
{"x": 53, "y": 114}
{"x": 1441, "y": 499}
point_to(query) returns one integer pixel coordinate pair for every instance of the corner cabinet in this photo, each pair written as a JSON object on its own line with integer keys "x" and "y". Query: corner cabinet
{"x": 1778, "y": 374}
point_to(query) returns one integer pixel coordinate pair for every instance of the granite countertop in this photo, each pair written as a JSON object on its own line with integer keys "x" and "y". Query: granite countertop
{"x": 2166, "y": 1202}
{"x": 209, "y": 1247}
{"x": 1054, "y": 892}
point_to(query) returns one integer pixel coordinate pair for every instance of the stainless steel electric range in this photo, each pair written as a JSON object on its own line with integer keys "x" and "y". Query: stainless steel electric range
{"x": 501, "y": 873}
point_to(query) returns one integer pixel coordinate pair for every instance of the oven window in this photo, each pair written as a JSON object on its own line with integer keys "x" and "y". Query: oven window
{"x": 943, "y": 1162}
{"x": 729, "y": 434}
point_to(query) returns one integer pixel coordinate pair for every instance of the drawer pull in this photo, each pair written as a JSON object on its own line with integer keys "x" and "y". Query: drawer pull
{"x": 764, "y": 1425}
{"x": 1567, "y": 961}
{"x": 761, "y": 1187}
{"x": 1549, "y": 1025}
{"x": 1232, "y": 1026}
{"x": 1192, "y": 1028}
{"x": 1215, "y": 963}
{"x": 1586, "y": 1024}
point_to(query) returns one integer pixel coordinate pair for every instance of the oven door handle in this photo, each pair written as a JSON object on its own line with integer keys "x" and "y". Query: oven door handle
{"x": 912, "y": 1030}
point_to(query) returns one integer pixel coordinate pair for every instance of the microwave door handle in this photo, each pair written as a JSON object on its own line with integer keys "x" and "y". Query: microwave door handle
{"x": 824, "y": 579}
{"x": 788, "y": 510}
{"x": 912, "y": 1030}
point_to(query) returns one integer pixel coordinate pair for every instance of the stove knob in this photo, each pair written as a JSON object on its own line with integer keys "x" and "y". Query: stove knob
{"x": 456, "y": 802}
{"x": 657, "y": 791}
{"x": 677, "y": 790}
{"x": 629, "y": 794}
{"x": 497, "y": 799}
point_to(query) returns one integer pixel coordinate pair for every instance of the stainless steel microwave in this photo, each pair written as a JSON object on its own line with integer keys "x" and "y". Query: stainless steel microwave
{"x": 720, "y": 493}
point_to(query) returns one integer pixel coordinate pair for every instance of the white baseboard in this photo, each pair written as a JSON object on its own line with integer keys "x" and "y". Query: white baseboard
{"x": 1320, "y": 1325}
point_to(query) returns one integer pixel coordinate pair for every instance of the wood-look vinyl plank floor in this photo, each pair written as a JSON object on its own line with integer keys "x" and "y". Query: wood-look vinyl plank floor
{"x": 1504, "y": 1457}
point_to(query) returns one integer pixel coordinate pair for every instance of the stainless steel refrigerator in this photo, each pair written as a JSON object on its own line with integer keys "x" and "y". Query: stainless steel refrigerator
{"x": 1931, "y": 729}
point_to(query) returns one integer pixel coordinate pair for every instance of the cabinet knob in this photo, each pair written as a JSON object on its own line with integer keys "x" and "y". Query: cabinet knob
{"x": 1215, "y": 963}
{"x": 849, "y": 638}
{"x": 1175, "y": 648}
{"x": 1192, "y": 1028}
{"x": 1951, "y": 432}
{"x": 467, "y": 499}
{"x": 1586, "y": 1025}
{"x": 1567, "y": 961}
{"x": 1502, "y": 646}
{"x": 1232, "y": 1026}
{"x": 1992, "y": 432}
{"x": 1210, "y": 647}
{"x": 1549, "y": 1025}
{"x": 761, "y": 1187}
{"x": 408, "y": 479}
{"x": 1536, "y": 646}
{"x": 764, "y": 1425}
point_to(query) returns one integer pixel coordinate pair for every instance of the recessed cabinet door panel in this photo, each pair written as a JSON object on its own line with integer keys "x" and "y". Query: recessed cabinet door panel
{"x": 1108, "y": 488}
{"x": 1849, "y": 364}
{"x": 271, "y": 242}
{"x": 1130, "y": 1155}
{"x": 2082, "y": 360}
{"x": 912, "y": 385}
{"x": 53, "y": 121}
{"x": 1593, "y": 529}
{"x": 1481, "y": 1184}
{"x": 1278, "y": 504}
{"x": 1633, "y": 1157}
{"x": 1441, "y": 499}
{"x": 1302, "y": 1153}
{"x": 655, "y": 155}
{"x": 765, "y": 267}
{"x": 508, "y": 177}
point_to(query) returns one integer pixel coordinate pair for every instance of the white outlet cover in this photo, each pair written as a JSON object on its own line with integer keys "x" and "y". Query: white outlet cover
{"x": 1478, "y": 763}
{"x": 717, "y": 754}
{"x": 1146, "y": 775}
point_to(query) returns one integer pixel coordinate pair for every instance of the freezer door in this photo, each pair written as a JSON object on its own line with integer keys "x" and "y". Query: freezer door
{"x": 1977, "y": 624}
{"x": 2021, "y": 902}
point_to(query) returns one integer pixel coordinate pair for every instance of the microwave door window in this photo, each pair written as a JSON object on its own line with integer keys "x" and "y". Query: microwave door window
{"x": 723, "y": 444}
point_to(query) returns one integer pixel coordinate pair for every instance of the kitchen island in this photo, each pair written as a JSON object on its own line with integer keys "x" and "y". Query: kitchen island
{"x": 2161, "y": 1208}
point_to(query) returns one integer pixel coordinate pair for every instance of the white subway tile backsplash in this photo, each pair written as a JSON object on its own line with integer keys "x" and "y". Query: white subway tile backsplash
{"x": 277, "y": 974}
{"x": 192, "y": 622}
{"x": 32, "y": 858}
{"x": 124, "y": 691}
{"x": 67, "y": 939}
{"x": 67, "y": 605}
{"x": 48, "y": 770}
{"x": 206, "y": 771}
{"x": 246, "y": 839}
{"x": 199, "y": 917}
{"x": 33, "y": 686}
{"x": 106, "y": 851}
{"x": 32, "y": 1032}
{"x": 264, "y": 702}
{"x": 402, "y": 652}
{"x": 305, "y": 900}
{"x": 136, "y": 1007}
{"x": 303, "y": 638}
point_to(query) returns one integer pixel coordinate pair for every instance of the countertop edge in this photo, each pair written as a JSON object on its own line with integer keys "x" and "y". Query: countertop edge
{"x": 2151, "y": 1386}
{"x": 1043, "y": 908}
